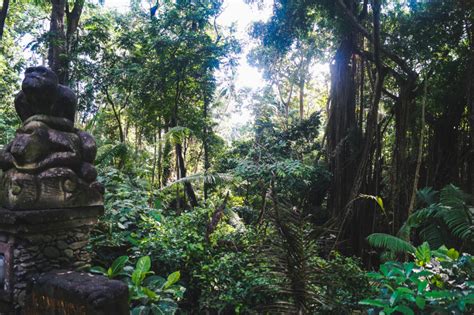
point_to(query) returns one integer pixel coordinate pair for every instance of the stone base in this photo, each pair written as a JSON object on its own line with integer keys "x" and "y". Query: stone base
{"x": 37, "y": 241}
{"x": 71, "y": 293}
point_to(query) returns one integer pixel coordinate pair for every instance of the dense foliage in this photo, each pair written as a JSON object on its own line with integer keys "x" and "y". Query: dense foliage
{"x": 348, "y": 189}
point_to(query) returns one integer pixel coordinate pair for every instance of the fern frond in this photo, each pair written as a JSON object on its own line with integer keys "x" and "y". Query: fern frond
{"x": 433, "y": 234}
{"x": 418, "y": 218}
{"x": 390, "y": 242}
{"x": 426, "y": 196}
{"x": 290, "y": 252}
{"x": 108, "y": 152}
{"x": 214, "y": 178}
{"x": 459, "y": 222}
{"x": 176, "y": 135}
{"x": 452, "y": 196}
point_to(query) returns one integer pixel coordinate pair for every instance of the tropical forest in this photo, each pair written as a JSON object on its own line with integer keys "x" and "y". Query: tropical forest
{"x": 254, "y": 156}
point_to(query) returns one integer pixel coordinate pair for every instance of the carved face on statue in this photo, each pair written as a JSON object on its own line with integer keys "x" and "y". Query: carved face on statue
{"x": 42, "y": 95}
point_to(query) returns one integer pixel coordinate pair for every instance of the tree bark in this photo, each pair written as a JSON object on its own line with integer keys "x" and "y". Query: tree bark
{"x": 207, "y": 163}
{"x": 182, "y": 172}
{"x": 180, "y": 163}
{"x": 420, "y": 152}
{"x": 301, "y": 86}
{"x": 61, "y": 37}
{"x": 371, "y": 130}
{"x": 3, "y": 17}
{"x": 57, "y": 44}
{"x": 400, "y": 182}
{"x": 470, "y": 95}
{"x": 341, "y": 125}
{"x": 116, "y": 115}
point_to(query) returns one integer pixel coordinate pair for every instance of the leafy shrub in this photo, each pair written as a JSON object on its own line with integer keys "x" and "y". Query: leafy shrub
{"x": 342, "y": 282}
{"x": 221, "y": 273}
{"x": 448, "y": 221}
{"x": 233, "y": 282}
{"x": 439, "y": 281}
{"x": 148, "y": 293}
{"x": 126, "y": 204}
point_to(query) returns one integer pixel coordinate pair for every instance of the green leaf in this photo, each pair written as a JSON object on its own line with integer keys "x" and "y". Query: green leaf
{"x": 390, "y": 242}
{"x": 371, "y": 302}
{"x": 420, "y": 302}
{"x": 141, "y": 270}
{"x": 453, "y": 254}
{"x": 405, "y": 290}
{"x": 404, "y": 310}
{"x": 380, "y": 203}
{"x": 117, "y": 266}
{"x": 99, "y": 270}
{"x": 143, "y": 264}
{"x": 394, "y": 298}
{"x": 377, "y": 199}
{"x": 158, "y": 204}
{"x": 172, "y": 279}
{"x": 156, "y": 310}
{"x": 139, "y": 310}
{"x": 154, "y": 281}
{"x": 423, "y": 254}
{"x": 151, "y": 294}
{"x": 422, "y": 286}
{"x": 441, "y": 294}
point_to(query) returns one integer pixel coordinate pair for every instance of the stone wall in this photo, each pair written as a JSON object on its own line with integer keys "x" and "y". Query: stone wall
{"x": 37, "y": 242}
{"x": 43, "y": 252}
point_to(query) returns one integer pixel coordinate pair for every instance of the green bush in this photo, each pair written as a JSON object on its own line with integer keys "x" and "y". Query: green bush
{"x": 148, "y": 293}
{"x": 342, "y": 282}
{"x": 439, "y": 281}
{"x": 220, "y": 273}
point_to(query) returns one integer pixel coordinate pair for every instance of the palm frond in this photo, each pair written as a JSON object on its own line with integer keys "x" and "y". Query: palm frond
{"x": 434, "y": 235}
{"x": 210, "y": 178}
{"x": 452, "y": 196}
{"x": 289, "y": 253}
{"x": 418, "y": 218}
{"x": 459, "y": 222}
{"x": 108, "y": 152}
{"x": 455, "y": 212}
{"x": 426, "y": 196}
{"x": 390, "y": 242}
{"x": 177, "y": 134}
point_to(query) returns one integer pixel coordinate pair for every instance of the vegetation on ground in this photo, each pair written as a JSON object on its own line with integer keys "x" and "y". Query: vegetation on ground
{"x": 347, "y": 190}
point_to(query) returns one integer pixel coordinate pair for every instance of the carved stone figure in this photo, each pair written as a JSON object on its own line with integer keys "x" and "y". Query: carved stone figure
{"x": 49, "y": 162}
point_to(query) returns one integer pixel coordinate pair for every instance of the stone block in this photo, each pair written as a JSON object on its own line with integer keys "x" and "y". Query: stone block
{"x": 68, "y": 292}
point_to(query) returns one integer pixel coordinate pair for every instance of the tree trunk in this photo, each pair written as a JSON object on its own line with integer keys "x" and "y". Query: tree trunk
{"x": 207, "y": 163}
{"x": 182, "y": 172}
{"x": 57, "y": 45}
{"x": 420, "y": 152}
{"x": 166, "y": 167}
{"x": 3, "y": 17}
{"x": 60, "y": 44}
{"x": 180, "y": 163}
{"x": 351, "y": 222}
{"x": 341, "y": 125}
{"x": 470, "y": 100}
{"x": 301, "y": 86}
{"x": 400, "y": 194}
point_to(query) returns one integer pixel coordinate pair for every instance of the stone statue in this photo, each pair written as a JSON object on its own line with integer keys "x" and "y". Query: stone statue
{"x": 49, "y": 162}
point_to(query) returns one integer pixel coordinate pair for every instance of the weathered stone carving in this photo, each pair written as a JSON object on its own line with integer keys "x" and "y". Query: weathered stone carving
{"x": 49, "y": 162}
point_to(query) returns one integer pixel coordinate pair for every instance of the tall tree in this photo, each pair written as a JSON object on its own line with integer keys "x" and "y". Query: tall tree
{"x": 63, "y": 24}
{"x": 3, "y": 16}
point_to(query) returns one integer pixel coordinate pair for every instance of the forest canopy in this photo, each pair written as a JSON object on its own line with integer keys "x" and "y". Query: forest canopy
{"x": 335, "y": 178}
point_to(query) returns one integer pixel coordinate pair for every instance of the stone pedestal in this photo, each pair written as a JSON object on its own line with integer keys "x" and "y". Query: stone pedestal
{"x": 49, "y": 201}
{"x": 71, "y": 293}
{"x": 34, "y": 242}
